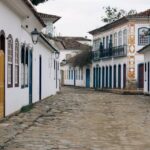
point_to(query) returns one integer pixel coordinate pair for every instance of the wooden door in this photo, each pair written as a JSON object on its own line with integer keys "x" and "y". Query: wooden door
{"x": 87, "y": 78}
{"x": 30, "y": 77}
{"x": 141, "y": 76}
{"x": 119, "y": 76}
{"x": 110, "y": 77}
{"x": 124, "y": 76}
{"x": 40, "y": 78}
{"x": 2, "y": 83}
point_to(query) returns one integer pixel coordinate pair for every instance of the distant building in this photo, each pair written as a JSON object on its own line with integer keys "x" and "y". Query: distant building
{"x": 116, "y": 61}
{"x": 74, "y": 75}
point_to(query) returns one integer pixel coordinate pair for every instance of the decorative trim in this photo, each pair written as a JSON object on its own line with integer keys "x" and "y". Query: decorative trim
{"x": 131, "y": 52}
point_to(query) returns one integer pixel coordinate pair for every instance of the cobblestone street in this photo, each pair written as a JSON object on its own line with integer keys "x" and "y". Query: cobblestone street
{"x": 80, "y": 119}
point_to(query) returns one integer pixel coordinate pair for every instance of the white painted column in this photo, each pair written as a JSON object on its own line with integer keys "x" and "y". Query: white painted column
{"x": 122, "y": 76}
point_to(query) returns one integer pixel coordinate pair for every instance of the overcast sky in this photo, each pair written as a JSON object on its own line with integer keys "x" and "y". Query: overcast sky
{"x": 81, "y": 16}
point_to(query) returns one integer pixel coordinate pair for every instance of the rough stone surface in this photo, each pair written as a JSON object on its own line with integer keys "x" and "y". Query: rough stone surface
{"x": 80, "y": 119}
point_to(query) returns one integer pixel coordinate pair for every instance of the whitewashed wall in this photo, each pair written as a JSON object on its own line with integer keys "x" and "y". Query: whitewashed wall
{"x": 147, "y": 59}
{"x": 78, "y": 82}
{"x": 16, "y": 97}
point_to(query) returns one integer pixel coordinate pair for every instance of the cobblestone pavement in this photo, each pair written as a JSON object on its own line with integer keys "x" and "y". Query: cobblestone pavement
{"x": 80, "y": 119}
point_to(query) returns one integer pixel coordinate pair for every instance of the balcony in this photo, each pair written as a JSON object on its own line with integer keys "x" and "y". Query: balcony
{"x": 118, "y": 51}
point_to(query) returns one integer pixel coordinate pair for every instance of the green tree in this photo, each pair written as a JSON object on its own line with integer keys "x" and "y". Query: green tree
{"x": 113, "y": 14}
{"x": 36, "y": 2}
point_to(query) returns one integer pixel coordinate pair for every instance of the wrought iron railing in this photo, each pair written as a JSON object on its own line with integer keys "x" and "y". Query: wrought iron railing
{"x": 110, "y": 52}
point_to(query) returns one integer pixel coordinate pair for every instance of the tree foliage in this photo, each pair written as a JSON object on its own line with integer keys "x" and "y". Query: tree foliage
{"x": 82, "y": 59}
{"x": 113, "y": 14}
{"x": 36, "y": 2}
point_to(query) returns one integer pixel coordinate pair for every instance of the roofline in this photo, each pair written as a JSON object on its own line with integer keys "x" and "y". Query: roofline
{"x": 73, "y": 38}
{"x": 49, "y": 16}
{"x": 44, "y": 38}
{"x": 144, "y": 48}
{"x": 31, "y": 7}
{"x": 106, "y": 27}
{"x": 120, "y": 21}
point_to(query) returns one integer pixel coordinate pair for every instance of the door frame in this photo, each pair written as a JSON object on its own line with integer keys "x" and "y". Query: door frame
{"x": 2, "y": 33}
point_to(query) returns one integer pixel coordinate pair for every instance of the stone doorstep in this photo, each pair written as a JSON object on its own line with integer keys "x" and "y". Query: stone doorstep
{"x": 123, "y": 92}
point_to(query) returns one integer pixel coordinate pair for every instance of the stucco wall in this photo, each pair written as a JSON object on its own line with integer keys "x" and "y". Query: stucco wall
{"x": 16, "y": 97}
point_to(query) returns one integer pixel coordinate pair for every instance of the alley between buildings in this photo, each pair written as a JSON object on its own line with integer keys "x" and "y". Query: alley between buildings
{"x": 80, "y": 119}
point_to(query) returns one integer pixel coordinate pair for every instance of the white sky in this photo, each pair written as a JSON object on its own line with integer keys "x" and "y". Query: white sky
{"x": 81, "y": 16}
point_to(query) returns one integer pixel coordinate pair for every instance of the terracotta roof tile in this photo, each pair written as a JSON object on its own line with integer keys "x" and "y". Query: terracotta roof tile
{"x": 43, "y": 15}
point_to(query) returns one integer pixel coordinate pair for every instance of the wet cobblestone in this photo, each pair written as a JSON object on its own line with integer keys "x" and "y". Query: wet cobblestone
{"x": 80, "y": 119}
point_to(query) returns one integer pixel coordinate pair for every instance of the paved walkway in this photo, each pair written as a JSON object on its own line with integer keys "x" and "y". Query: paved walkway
{"x": 79, "y": 119}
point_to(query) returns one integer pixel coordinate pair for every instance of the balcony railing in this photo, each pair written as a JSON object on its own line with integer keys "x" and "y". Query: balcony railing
{"x": 118, "y": 51}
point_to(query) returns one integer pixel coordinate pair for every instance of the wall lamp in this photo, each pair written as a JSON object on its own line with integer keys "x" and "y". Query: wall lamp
{"x": 35, "y": 35}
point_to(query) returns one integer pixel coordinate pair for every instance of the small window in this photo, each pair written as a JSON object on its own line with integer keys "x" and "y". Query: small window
{"x": 16, "y": 63}
{"x": 142, "y": 38}
{"x": 10, "y": 62}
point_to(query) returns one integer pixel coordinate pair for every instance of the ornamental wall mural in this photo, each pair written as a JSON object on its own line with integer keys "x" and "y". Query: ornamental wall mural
{"x": 131, "y": 51}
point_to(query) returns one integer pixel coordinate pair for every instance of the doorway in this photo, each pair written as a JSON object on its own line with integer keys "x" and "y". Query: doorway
{"x": 141, "y": 76}
{"x": 2, "y": 74}
{"x": 119, "y": 76}
{"x": 40, "y": 77}
{"x": 87, "y": 78}
{"x": 30, "y": 77}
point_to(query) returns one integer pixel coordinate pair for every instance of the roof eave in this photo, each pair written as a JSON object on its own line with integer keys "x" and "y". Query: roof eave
{"x": 34, "y": 12}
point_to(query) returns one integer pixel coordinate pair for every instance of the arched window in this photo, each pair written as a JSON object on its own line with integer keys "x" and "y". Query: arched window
{"x": 125, "y": 37}
{"x": 10, "y": 62}
{"x": 142, "y": 38}
{"x": 16, "y": 63}
{"x": 2, "y": 40}
{"x": 120, "y": 38}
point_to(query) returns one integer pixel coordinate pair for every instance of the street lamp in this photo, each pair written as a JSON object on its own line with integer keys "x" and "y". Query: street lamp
{"x": 35, "y": 35}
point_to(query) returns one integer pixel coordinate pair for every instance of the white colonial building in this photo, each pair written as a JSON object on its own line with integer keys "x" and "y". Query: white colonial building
{"x": 70, "y": 75}
{"x": 28, "y": 72}
{"x": 116, "y": 61}
{"x": 146, "y": 51}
